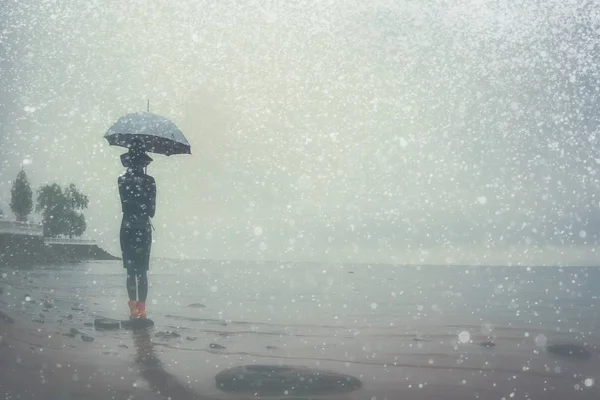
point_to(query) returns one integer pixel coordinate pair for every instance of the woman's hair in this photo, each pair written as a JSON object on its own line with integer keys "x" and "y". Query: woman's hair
{"x": 136, "y": 155}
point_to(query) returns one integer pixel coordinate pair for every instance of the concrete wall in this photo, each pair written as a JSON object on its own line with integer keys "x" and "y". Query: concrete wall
{"x": 21, "y": 228}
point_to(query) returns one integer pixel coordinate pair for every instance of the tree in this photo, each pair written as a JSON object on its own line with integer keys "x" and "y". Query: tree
{"x": 76, "y": 201}
{"x": 60, "y": 210}
{"x": 77, "y": 225}
{"x": 50, "y": 202}
{"x": 21, "y": 202}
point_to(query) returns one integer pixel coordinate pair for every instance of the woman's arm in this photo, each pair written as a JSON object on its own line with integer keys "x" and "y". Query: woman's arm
{"x": 121, "y": 185}
{"x": 152, "y": 196}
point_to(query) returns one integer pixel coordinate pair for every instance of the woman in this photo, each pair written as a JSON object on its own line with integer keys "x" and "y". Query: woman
{"x": 138, "y": 203}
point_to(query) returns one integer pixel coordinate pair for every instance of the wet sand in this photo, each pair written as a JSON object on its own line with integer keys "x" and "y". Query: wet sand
{"x": 49, "y": 348}
{"x": 38, "y": 362}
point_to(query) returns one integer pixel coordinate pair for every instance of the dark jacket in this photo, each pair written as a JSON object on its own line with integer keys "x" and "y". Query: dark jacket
{"x": 138, "y": 196}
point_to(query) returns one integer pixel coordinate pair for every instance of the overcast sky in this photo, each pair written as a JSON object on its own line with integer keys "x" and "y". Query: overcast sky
{"x": 388, "y": 131}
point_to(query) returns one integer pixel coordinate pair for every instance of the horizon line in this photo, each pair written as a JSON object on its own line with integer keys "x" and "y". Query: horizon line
{"x": 376, "y": 263}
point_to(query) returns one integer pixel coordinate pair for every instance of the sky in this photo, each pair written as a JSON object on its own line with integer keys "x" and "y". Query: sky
{"x": 393, "y": 131}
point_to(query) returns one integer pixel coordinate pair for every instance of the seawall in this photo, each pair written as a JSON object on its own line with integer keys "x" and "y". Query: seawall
{"x": 25, "y": 249}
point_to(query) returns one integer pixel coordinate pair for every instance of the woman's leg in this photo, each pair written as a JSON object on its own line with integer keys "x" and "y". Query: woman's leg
{"x": 142, "y": 273}
{"x": 131, "y": 285}
{"x": 128, "y": 253}
{"x": 142, "y": 285}
{"x": 144, "y": 266}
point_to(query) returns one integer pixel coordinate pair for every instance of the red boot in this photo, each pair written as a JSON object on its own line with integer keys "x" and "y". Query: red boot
{"x": 133, "y": 309}
{"x": 141, "y": 308}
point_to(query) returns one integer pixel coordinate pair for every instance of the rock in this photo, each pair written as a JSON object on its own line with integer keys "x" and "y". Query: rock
{"x": 74, "y": 331}
{"x": 216, "y": 346}
{"x": 78, "y": 308}
{"x": 87, "y": 338}
{"x": 88, "y": 324}
{"x": 487, "y": 344}
{"x": 137, "y": 323}
{"x": 196, "y": 305}
{"x": 167, "y": 335}
{"x": 39, "y": 320}
{"x": 271, "y": 380}
{"x": 272, "y": 347}
{"x": 69, "y": 334}
{"x": 106, "y": 324}
{"x": 69, "y": 316}
{"x": 124, "y": 346}
{"x": 569, "y": 350}
{"x": 421, "y": 339}
{"x": 48, "y": 304}
{"x": 191, "y": 338}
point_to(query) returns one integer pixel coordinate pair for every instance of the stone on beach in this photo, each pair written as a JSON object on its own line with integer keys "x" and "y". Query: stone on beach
{"x": 284, "y": 380}
{"x": 107, "y": 324}
{"x": 569, "y": 350}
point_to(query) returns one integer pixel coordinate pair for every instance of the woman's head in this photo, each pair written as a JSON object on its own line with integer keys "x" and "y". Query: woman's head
{"x": 136, "y": 157}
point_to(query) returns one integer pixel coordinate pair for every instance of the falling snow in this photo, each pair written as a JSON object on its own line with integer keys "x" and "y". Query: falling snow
{"x": 376, "y": 188}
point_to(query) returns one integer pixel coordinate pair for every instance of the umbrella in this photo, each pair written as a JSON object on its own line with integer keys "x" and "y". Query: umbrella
{"x": 158, "y": 134}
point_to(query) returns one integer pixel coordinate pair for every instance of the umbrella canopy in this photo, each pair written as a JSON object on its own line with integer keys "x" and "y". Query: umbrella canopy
{"x": 158, "y": 134}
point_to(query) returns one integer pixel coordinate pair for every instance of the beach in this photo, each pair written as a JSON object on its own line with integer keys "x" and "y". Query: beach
{"x": 446, "y": 332}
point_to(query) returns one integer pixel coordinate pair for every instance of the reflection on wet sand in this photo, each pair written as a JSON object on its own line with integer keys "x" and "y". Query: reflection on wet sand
{"x": 152, "y": 369}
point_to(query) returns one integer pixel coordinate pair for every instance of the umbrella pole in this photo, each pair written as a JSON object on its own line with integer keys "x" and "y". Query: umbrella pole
{"x": 148, "y": 105}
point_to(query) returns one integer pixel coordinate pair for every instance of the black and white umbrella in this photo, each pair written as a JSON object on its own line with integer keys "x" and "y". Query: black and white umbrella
{"x": 158, "y": 134}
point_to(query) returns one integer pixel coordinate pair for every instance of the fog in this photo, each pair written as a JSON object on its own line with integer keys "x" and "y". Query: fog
{"x": 393, "y": 131}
